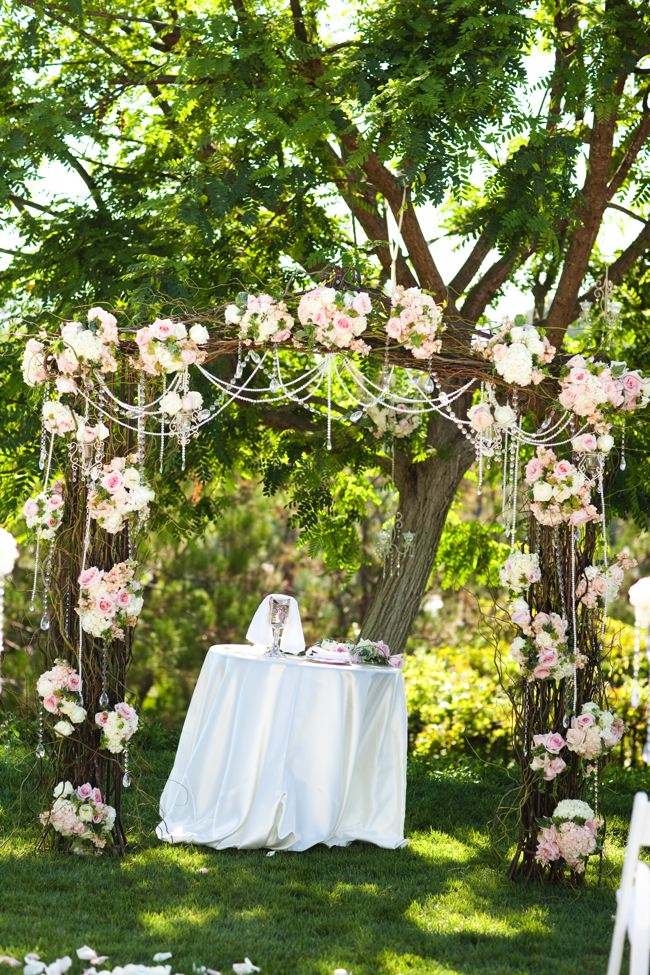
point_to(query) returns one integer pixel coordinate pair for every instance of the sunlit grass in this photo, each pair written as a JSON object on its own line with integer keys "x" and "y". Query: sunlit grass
{"x": 441, "y": 906}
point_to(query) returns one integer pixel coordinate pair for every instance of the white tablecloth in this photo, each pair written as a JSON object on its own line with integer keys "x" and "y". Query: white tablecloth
{"x": 286, "y": 753}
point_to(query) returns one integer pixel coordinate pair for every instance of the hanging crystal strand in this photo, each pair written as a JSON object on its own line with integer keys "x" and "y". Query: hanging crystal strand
{"x": 103, "y": 697}
{"x": 574, "y": 619}
{"x": 429, "y": 385}
{"x": 130, "y": 542}
{"x": 635, "y": 696}
{"x": 126, "y": 778}
{"x": 37, "y": 555}
{"x": 559, "y": 568}
{"x": 141, "y": 423}
{"x": 162, "y": 430}
{"x": 185, "y": 385}
{"x": 504, "y": 482}
{"x": 645, "y": 755}
{"x": 329, "y": 402}
{"x": 72, "y": 456}
{"x": 601, "y": 489}
{"x": 68, "y": 607}
{"x": 479, "y": 458}
{"x": 526, "y": 718}
{"x": 623, "y": 463}
{"x": 40, "y": 745}
{"x": 84, "y": 556}
{"x": 515, "y": 484}
{"x": 239, "y": 370}
{"x": 274, "y": 384}
{"x": 43, "y": 451}
{"x": 48, "y": 466}
{"x": 45, "y": 618}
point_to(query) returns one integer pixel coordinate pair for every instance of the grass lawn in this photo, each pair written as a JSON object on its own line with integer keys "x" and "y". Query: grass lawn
{"x": 441, "y": 905}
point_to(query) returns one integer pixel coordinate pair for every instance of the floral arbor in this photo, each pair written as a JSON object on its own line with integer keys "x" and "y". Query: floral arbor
{"x": 116, "y": 397}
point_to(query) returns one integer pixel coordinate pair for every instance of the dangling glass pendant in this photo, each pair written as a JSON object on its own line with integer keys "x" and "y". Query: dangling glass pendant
{"x": 623, "y": 463}
{"x": 45, "y": 622}
{"x": 103, "y": 697}
{"x": 40, "y": 747}
{"x": 429, "y": 385}
{"x": 126, "y": 778}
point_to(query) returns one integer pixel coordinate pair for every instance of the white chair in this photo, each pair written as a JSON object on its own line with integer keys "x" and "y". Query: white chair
{"x": 633, "y": 911}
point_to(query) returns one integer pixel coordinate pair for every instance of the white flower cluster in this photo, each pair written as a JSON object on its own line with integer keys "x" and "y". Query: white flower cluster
{"x": 600, "y": 584}
{"x": 117, "y": 726}
{"x": 34, "y": 965}
{"x": 77, "y": 348}
{"x": 61, "y": 420}
{"x": 45, "y": 512}
{"x": 518, "y": 352}
{"x": 483, "y": 417}
{"x": 393, "y": 423}
{"x": 260, "y": 319}
{"x": 109, "y": 601}
{"x": 594, "y": 732}
{"x": 520, "y": 570}
{"x": 165, "y": 346}
{"x": 80, "y": 814}
{"x": 573, "y": 809}
{"x": 172, "y": 403}
{"x": 416, "y": 322}
{"x": 58, "y": 689}
{"x": 118, "y": 491}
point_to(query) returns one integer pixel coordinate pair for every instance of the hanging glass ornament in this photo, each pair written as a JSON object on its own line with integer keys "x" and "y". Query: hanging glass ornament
{"x": 394, "y": 547}
{"x": 103, "y": 697}
{"x": 40, "y": 745}
{"x": 623, "y": 463}
{"x": 126, "y": 778}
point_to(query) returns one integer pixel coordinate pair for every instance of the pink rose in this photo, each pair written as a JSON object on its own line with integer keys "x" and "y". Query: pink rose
{"x": 342, "y": 322}
{"x": 73, "y": 682}
{"x": 534, "y": 470}
{"x": 143, "y": 336}
{"x": 123, "y": 598}
{"x": 124, "y": 710}
{"x": 585, "y": 721}
{"x": 553, "y": 742}
{"x": 562, "y": 469}
{"x": 97, "y": 796}
{"x": 407, "y": 316}
{"x": 55, "y": 501}
{"x": 112, "y": 481}
{"x": 31, "y": 508}
{"x": 65, "y": 385}
{"x": 105, "y": 605}
{"x": 547, "y": 658}
{"x": 88, "y": 577}
{"x": 101, "y": 719}
{"x": 541, "y": 673}
{"x": 632, "y": 383}
{"x": 162, "y": 328}
{"x": 579, "y": 375}
{"x": 85, "y": 791}
{"x": 396, "y": 660}
{"x": 361, "y": 303}
{"x": 50, "y": 704}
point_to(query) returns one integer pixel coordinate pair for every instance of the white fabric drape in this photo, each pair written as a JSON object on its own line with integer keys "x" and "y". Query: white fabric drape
{"x": 260, "y": 632}
{"x": 287, "y": 753}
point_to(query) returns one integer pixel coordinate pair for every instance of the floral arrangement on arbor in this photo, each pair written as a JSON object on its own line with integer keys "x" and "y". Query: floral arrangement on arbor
{"x": 45, "y": 511}
{"x": 601, "y": 584}
{"x": 397, "y": 423}
{"x": 260, "y": 319}
{"x": 542, "y": 652}
{"x": 590, "y": 389}
{"x": 118, "y": 491}
{"x": 559, "y": 491}
{"x": 416, "y": 322}
{"x": 77, "y": 350}
{"x": 520, "y": 571}
{"x": 518, "y": 353}
{"x": 570, "y": 835}
{"x": 80, "y": 814}
{"x": 546, "y": 755}
{"x": 594, "y": 732}
{"x": 334, "y": 319}
{"x": 58, "y": 689}
{"x": 117, "y": 726}
{"x": 165, "y": 346}
{"x": 109, "y": 601}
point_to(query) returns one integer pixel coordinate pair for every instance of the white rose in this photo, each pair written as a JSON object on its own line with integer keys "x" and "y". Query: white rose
{"x": 192, "y": 401}
{"x": 171, "y": 404}
{"x": 85, "y": 813}
{"x": 199, "y": 334}
{"x": 542, "y": 491}
{"x": 232, "y": 315}
{"x": 131, "y": 478}
{"x": 63, "y": 728}
{"x": 504, "y": 416}
{"x": 605, "y": 443}
{"x": 63, "y": 789}
{"x": 561, "y": 492}
{"x": 516, "y": 365}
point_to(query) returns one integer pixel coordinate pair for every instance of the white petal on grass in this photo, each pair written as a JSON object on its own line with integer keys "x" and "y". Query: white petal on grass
{"x": 162, "y": 955}
{"x": 245, "y": 967}
{"x": 8, "y": 960}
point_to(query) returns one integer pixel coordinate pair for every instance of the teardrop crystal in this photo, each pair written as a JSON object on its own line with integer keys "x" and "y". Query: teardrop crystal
{"x": 45, "y": 622}
{"x": 203, "y": 416}
{"x": 429, "y": 385}
{"x": 622, "y": 465}
{"x": 254, "y": 357}
{"x": 103, "y": 699}
{"x": 356, "y": 416}
{"x": 565, "y": 721}
{"x": 126, "y": 780}
{"x": 40, "y": 750}
{"x": 274, "y": 386}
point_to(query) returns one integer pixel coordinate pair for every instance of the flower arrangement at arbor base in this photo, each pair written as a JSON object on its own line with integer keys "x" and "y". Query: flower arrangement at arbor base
{"x": 570, "y": 836}
{"x": 80, "y": 815}
{"x": 518, "y": 353}
{"x": 416, "y": 322}
{"x": 117, "y": 727}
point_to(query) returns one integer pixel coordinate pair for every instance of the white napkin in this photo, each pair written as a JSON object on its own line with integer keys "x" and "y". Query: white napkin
{"x": 260, "y": 632}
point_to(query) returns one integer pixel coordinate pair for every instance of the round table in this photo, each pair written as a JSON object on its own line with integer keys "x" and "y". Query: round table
{"x": 284, "y": 753}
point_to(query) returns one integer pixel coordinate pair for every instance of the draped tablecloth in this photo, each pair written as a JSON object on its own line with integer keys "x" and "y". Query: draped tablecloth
{"x": 284, "y": 753}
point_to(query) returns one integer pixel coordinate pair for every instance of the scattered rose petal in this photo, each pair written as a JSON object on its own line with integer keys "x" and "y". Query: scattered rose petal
{"x": 270, "y": 853}
{"x": 204, "y": 870}
{"x": 162, "y": 955}
{"x": 86, "y": 953}
{"x": 245, "y": 967}
{"x": 8, "y": 960}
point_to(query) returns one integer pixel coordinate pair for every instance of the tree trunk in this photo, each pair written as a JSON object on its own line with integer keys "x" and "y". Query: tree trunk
{"x": 426, "y": 491}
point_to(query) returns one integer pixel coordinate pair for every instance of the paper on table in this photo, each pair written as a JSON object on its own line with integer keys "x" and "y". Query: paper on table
{"x": 260, "y": 632}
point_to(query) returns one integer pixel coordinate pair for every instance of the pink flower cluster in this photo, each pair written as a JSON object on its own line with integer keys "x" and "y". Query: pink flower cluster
{"x": 260, "y": 319}
{"x": 543, "y": 652}
{"x": 559, "y": 491}
{"x": 600, "y": 584}
{"x": 80, "y": 814}
{"x": 117, "y": 492}
{"x": 334, "y": 319}
{"x": 77, "y": 349}
{"x": 546, "y": 755}
{"x": 588, "y": 388}
{"x": 165, "y": 346}
{"x": 594, "y": 732}
{"x": 45, "y": 511}
{"x": 58, "y": 689}
{"x": 109, "y": 601}
{"x": 518, "y": 352}
{"x": 61, "y": 420}
{"x": 117, "y": 726}
{"x": 415, "y": 322}
{"x": 396, "y": 423}
{"x": 570, "y": 835}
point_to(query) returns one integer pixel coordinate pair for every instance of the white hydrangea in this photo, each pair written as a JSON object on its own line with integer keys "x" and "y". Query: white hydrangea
{"x": 516, "y": 364}
{"x": 573, "y": 809}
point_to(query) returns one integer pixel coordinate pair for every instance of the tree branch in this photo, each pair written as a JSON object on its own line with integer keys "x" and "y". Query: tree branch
{"x": 299, "y": 28}
{"x": 629, "y": 213}
{"x": 485, "y": 289}
{"x": 85, "y": 176}
{"x": 470, "y": 267}
{"x": 617, "y": 271}
{"x": 20, "y": 202}
{"x": 635, "y": 145}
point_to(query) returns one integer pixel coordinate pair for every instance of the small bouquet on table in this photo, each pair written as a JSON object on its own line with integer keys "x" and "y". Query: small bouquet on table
{"x": 373, "y": 652}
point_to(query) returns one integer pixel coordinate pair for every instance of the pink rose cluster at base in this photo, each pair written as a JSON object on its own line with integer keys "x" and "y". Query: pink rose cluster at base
{"x": 58, "y": 690}
{"x": 45, "y": 511}
{"x": 518, "y": 353}
{"x": 334, "y": 319}
{"x": 117, "y": 726}
{"x": 558, "y": 490}
{"x": 109, "y": 601}
{"x": 546, "y": 755}
{"x": 75, "y": 351}
{"x": 602, "y": 585}
{"x": 542, "y": 653}
{"x": 570, "y": 835}
{"x": 594, "y": 732}
{"x": 260, "y": 319}
{"x": 80, "y": 814}
{"x": 165, "y": 346}
{"x": 591, "y": 389}
{"x": 520, "y": 571}
{"x": 415, "y": 322}
{"x": 118, "y": 492}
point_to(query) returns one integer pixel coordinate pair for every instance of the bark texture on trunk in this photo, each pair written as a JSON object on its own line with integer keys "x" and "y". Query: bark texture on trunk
{"x": 426, "y": 492}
